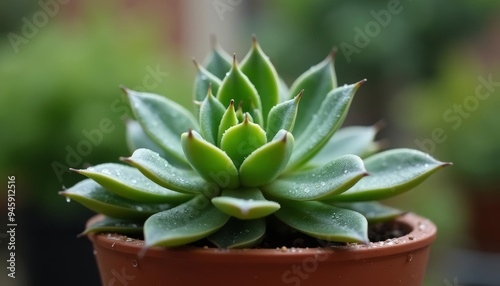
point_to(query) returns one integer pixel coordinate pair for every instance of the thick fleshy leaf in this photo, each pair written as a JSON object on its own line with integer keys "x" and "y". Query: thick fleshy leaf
{"x": 97, "y": 198}
{"x": 164, "y": 174}
{"x": 324, "y": 221}
{"x": 137, "y": 138}
{"x": 229, "y": 119}
{"x": 218, "y": 62}
{"x": 245, "y": 203}
{"x": 320, "y": 183}
{"x": 316, "y": 83}
{"x": 163, "y": 120}
{"x": 261, "y": 72}
{"x": 186, "y": 223}
{"x": 241, "y": 140}
{"x": 211, "y": 112}
{"x": 266, "y": 163}
{"x": 282, "y": 116}
{"x": 204, "y": 79}
{"x": 323, "y": 124}
{"x": 373, "y": 211}
{"x": 213, "y": 164}
{"x": 239, "y": 233}
{"x": 391, "y": 173}
{"x": 283, "y": 91}
{"x": 356, "y": 140}
{"x": 236, "y": 86}
{"x": 114, "y": 225}
{"x": 130, "y": 183}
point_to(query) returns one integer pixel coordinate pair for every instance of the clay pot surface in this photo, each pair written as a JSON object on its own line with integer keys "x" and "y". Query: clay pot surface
{"x": 398, "y": 261}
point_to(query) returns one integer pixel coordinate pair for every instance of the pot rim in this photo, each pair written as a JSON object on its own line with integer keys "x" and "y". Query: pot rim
{"x": 422, "y": 233}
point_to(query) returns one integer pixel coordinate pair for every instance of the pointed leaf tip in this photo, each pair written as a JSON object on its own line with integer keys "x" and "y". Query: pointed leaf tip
{"x": 332, "y": 53}
{"x": 299, "y": 96}
{"x": 196, "y": 64}
{"x": 209, "y": 89}
{"x": 124, "y": 89}
{"x": 361, "y": 82}
{"x": 235, "y": 62}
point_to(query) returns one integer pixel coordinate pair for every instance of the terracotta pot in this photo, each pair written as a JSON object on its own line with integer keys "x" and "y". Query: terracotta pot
{"x": 399, "y": 261}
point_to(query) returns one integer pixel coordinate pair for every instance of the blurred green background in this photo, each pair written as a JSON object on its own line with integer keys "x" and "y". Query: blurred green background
{"x": 61, "y": 64}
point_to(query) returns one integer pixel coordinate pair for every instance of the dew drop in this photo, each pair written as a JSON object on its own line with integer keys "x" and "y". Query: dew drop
{"x": 68, "y": 200}
{"x": 134, "y": 263}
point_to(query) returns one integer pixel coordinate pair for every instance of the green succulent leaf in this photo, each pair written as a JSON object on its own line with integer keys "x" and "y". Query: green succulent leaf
{"x": 323, "y": 125}
{"x": 324, "y": 221}
{"x": 218, "y": 61}
{"x": 267, "y": 162}
{"x": 356, "y": 140}
{"x": 191, "y": 221}
{"x": 316, "y": 83}
{"x": 282, "y": 116}
{"x": 211, "y": 112}
{"x": 130, "y": 183}
{"x": 115, "y": 225}
{"x": 95, "y": 197}
{"x": 391, "y": 173}
{"x": 236, "y": 86}
{"x": 261, "y": 72}
{"x": 321, "y": 183}
{"x": 373, "y": 211}
{"x": 204, "y": 79}
{"x": 213, "y": 164}
{"x": 283, "y": 91}
{"x": 241, "y": 140}
{"x": 164, "y": 174}
{"x": 239, "y": 233}
{"x": 163, "y": 120}
{"x": 137, "y": 138}
{"x": 244, "y": 203}
{"x": 229, "y": 119}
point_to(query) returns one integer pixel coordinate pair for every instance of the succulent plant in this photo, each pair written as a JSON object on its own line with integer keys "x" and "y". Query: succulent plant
{"x": 252, "y": 152}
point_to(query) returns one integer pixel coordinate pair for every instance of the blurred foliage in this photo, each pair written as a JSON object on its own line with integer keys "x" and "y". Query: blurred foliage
{"x": 461, "y": 116}
{"x": 65, "y": 81}
{"x": 406, "y": 44}
{"x": 398, "y": 51}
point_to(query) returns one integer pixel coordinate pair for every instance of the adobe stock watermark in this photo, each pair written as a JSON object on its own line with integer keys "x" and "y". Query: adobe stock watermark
{"x": 120, "y": 278}
{"x": 302, "y": 271}
{"x": 223, "y": 6}
{"x": 92, "y": 138}
{"x": 363, "y": 37}
{"x": 48, "y": 9}
{"x": 450, "y": 283}
{"x": 456, "y": 114}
